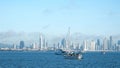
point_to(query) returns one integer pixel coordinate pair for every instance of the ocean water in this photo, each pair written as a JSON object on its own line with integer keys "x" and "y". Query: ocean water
{"x": 37, "y": 59}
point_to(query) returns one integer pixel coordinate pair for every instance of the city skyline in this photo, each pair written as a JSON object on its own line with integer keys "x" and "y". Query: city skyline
{"x": 104, "y": 44}
{"x": 55, "y": 17}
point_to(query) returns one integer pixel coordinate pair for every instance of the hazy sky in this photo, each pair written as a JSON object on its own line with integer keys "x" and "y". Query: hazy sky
{"x": 55, "y": 16}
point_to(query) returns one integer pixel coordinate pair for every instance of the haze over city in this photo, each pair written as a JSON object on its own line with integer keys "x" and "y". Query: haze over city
{"x": 93, "y": 17}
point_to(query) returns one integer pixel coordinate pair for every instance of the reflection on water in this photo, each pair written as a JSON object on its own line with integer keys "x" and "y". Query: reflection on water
{"x": 36, "y": 59}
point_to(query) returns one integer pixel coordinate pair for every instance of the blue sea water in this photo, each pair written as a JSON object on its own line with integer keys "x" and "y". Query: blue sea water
{"x": 37, "y": 59}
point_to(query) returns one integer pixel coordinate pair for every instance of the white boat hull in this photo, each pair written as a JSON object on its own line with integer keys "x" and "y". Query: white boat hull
{"x": 79, "y": 56}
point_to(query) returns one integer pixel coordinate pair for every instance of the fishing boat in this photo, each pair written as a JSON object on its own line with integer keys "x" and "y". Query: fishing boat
{"x": 59, "y": 52}
{"x": 73, "y": 55}
{"x": 104, "y": 52}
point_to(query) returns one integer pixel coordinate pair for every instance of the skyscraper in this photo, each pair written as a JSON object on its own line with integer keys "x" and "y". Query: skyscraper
{"x": 68, "y": 39}
{"x": 85, "y": 45}
{"x": 63, "y": 43}
{"x": 41, "y": 42}
{"x": 98, "y": 41}
{"x": 22, "y": 44}
{"x": 110, "y": 47}
{"x": 105, "y": 44}
{"x": 14, "y": 46}
{"x": 44, "y": 43}
{"x": 118, "y": 45}
{"x": 35, "y": 46}
{"x": 118, "y": 42}
{"x": 98, "y": 45}
{"x": 92, "y": 45}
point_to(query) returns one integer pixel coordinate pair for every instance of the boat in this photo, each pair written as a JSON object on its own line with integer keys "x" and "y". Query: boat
{"x": 59, "y": 52}
{"x": 73, "y": 55}
{"x": 103, "y": 52}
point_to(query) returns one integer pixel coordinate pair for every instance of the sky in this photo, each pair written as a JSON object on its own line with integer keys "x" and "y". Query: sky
{"x": 95, "y": 17}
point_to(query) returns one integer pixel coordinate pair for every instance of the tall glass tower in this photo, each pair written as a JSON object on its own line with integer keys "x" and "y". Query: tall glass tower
{"x": 68, "y": 39}
{"x": 41, "y": 42}
{"x": 21, "y": 44}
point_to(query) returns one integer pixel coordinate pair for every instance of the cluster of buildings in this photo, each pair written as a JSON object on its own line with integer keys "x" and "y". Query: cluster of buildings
{"x": 41, "y": 45}
{"x": 106, "y": 44}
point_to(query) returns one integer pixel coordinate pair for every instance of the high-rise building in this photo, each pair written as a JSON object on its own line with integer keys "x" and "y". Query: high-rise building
{"x": 58, "y": 45}
{"x": 78, "y": 46}
{"x": 92, "y": 45}
{"x": 35, "y": 46}
{"x": 118, "y": 45}
{"x": 98, "y": 42}
{"x": 98, "y": 45}
{"x": 118, "y": 42}
{"x": 44, "y": 44}
{"x": 85, "y": 45}
{"x": 68, "y": 43}
{"x": 105, "y": 44}
{"x": 22, "y": 45}
{"x": 14, "y": 46}
{"x": 110, "y": 46}
{"x": 41, "y": 42}
{"x": 63, "y": 43}
{"x": 72, "y": 46}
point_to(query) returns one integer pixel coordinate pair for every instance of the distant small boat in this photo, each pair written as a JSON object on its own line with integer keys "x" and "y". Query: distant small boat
{"x": 73, "y": 55}
{"x": 103, "y": 52}
{"x": 59, "y": 52}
